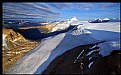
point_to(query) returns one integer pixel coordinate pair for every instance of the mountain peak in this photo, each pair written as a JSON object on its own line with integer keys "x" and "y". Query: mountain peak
{"x": 74, "y": 18}
{"x": 106, "y": 19}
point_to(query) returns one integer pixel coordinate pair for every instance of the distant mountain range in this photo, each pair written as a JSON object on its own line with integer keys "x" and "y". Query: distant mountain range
{"x": 99, "y": 20}
{"x": 114, "y": 20}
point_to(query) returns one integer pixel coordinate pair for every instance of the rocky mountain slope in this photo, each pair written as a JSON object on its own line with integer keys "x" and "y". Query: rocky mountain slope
{"x": 14, "y": 46}
{"x": 10, "y": 38}
{"x": 78, "y": 61}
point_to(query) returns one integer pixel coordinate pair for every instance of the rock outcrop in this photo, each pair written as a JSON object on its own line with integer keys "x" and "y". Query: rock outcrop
{"x": 14, "y": 46}
{"x": 10, "y": 38}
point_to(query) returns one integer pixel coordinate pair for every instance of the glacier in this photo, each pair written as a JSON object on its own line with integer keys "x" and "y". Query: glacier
{"x": 37, "y": 60}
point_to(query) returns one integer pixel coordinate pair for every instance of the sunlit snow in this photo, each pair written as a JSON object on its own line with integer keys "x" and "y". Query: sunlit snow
{"x": 36, "y": 60}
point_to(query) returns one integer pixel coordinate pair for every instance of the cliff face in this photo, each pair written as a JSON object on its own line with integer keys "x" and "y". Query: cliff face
{"x": 10, "y": 38}
{"x": 12, "y": 35}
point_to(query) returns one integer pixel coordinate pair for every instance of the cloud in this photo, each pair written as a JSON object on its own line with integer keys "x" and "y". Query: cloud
{"x": 62, "y": 5}
{"x": 32, "y": 14}
{"x": 87, "y": 8}
{"x": 103, "y": 5}
{"x": 47, "y": 10}
{"x": 42, "y": 5}
{"x": 53, "y": 10}
{"x": 28, "y": 10}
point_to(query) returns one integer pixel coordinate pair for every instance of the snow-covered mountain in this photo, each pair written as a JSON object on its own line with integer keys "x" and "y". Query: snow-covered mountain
{"x": 37, "y": 60}
{"x": 99, "y": 20}
{"x": 61, "y": 26}
{"x": 114, "y": 20}
{"x": 106, "y": 19}
{"x": 66, "y": 24}
{"x": 73, "y": 19}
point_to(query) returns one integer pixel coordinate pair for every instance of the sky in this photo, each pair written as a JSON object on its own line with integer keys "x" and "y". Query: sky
{"x": 61, "y": 10}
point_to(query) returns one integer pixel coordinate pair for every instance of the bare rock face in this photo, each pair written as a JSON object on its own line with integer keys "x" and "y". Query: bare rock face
{"x": 14, "y": 46}
{"x": 10, "y": 38}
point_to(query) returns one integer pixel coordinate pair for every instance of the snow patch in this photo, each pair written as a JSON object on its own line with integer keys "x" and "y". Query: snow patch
{"x": 91, "y": 52}
{"x": 90, "y": 58}
{"x": 93, "y": 47}
{"x": 4, "y": 40}
{"x": 90, "y": 64}
{"x": 79, "y": 56}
